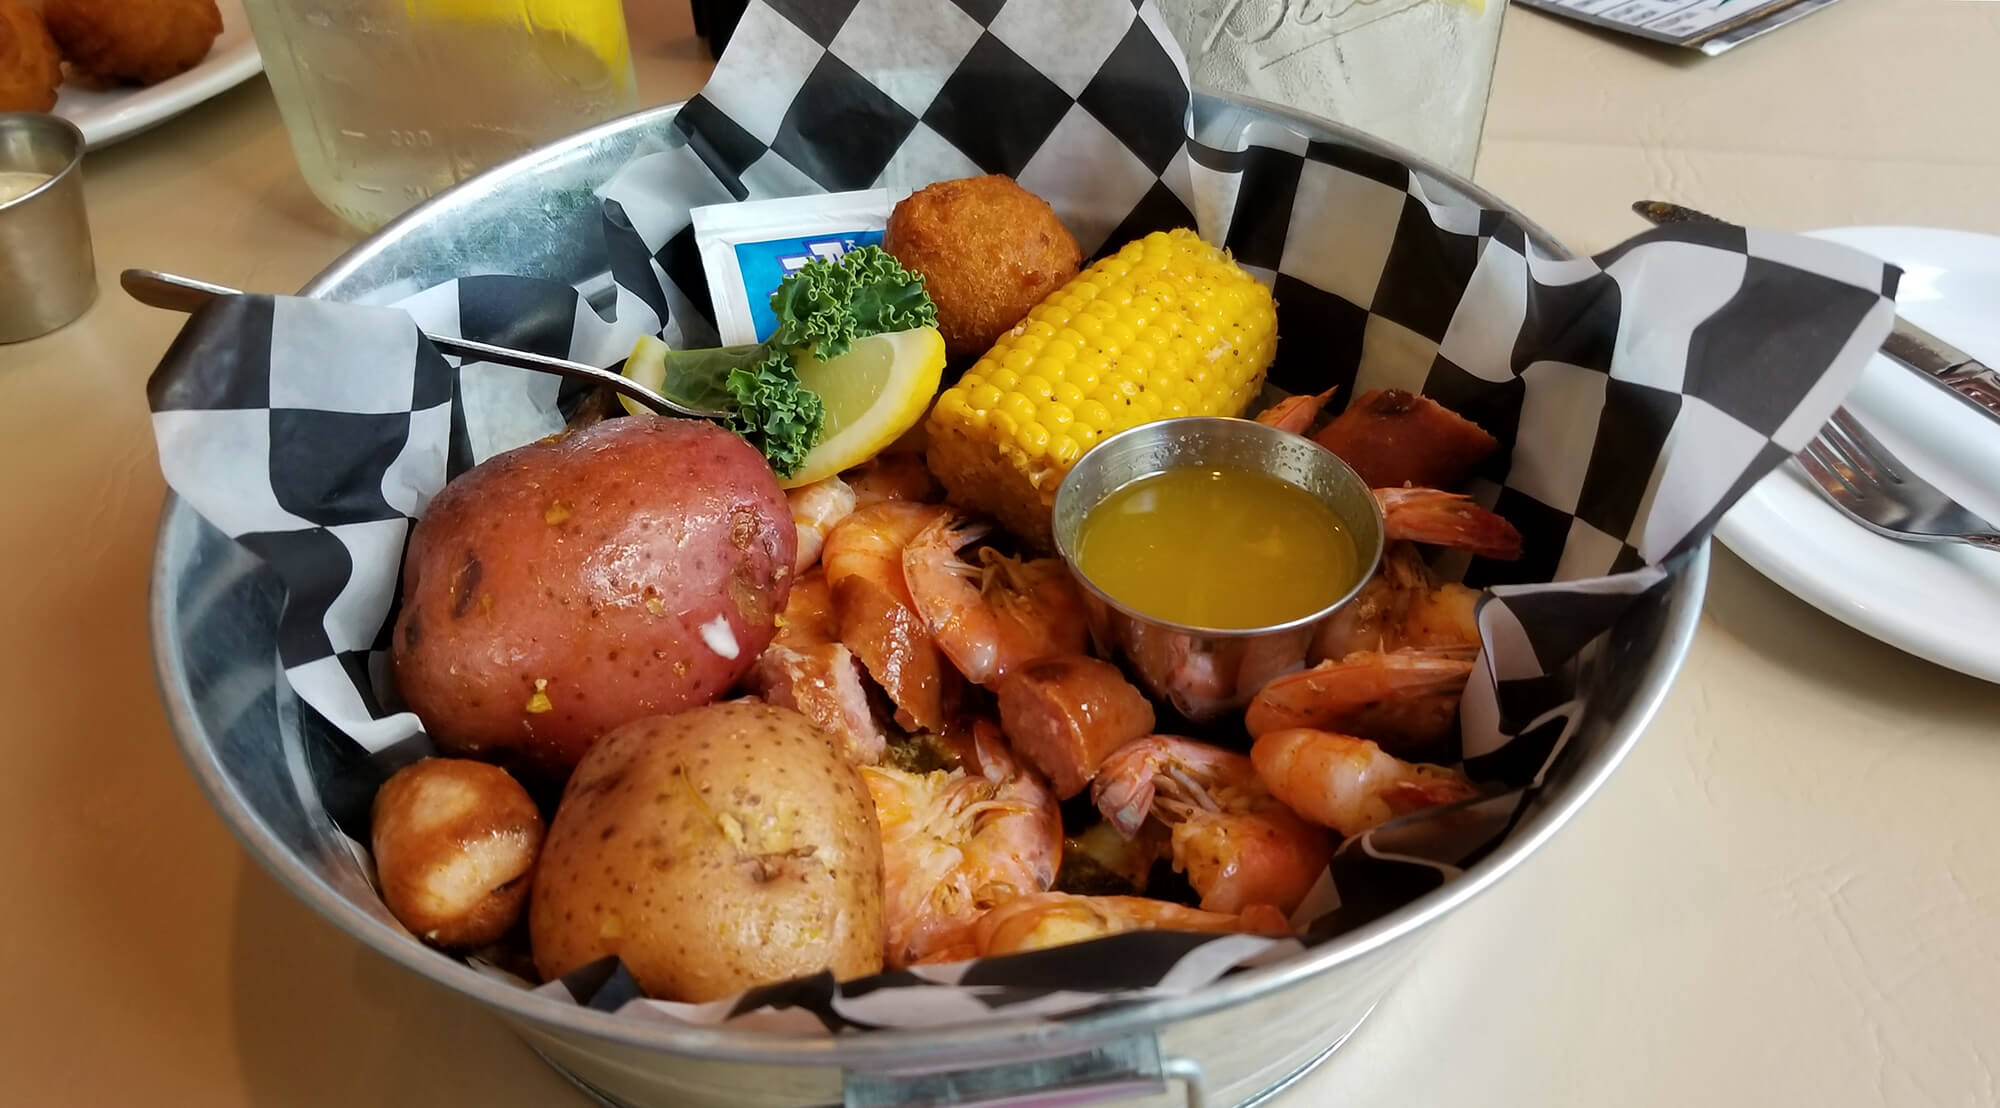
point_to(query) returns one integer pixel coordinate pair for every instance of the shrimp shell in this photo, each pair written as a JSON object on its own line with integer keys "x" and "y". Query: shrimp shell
{"x": 958, "y": 843}
{"x": 993, "y": 618}
{"x": 1446, "y": 519}
{"x": 1349, "y": 784}
{"x": 878, "y": 620}
{"x": 1235, "y": 842}
{"x": 1056, "y": 919}
{"x": 1406, "y": 696}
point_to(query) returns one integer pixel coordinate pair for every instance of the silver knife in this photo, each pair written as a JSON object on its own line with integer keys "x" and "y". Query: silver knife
{"x": 1934, "y": 359}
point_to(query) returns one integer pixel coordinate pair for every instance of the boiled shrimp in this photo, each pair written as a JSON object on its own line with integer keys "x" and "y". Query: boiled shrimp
{"x": 816, "y": 509}
{"x": 1446, "y": 519}
{"x": 958, "y": 843}
{"x": 1235, "y": 842}
{"x": 892, "y": 477}
{"x": 1402, "y": 697}
{"x": 1401, "y": 606}
{"x": 992, "y": 618}
{"x": 878, "y": 620}
{"x": 1416, "y": 514}
{"x": 806, "y": 669}
{"x": 1349, "y": 784}
{"x": 1295, "y": 413}
{"x": 1056, "y": 919}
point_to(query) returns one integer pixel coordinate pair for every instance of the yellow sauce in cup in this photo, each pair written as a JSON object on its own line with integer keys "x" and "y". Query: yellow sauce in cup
{"x": 1227, "y": 549}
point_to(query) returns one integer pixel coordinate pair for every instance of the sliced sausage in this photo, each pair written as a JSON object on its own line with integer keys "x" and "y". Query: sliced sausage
{"x": 1066, "y": 715}
{"x": 1394, "y": 438}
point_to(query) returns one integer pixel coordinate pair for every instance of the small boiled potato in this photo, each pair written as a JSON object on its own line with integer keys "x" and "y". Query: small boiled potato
{"x": 712, "y": 851}
{"x": 552, "y": 593}
{"x": 455, "y": 843}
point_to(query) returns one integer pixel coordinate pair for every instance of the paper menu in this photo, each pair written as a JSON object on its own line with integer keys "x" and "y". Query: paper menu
{"x": 1711, "y": 26}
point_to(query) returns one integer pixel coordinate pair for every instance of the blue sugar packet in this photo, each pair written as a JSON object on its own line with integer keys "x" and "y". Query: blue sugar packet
{"x": 747, "y": 248}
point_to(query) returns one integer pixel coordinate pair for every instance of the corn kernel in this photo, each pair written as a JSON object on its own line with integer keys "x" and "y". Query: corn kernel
{"x": 1167, "y": 325}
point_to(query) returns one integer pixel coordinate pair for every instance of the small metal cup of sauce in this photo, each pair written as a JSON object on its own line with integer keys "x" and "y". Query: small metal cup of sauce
{"x": 1210, "y": 552}
{"x": 48, "y": 275}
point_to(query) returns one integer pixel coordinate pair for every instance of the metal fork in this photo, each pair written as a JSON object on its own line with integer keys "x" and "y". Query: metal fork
{"x": 1859, "y": 475}
{"x": 185, "y": 294}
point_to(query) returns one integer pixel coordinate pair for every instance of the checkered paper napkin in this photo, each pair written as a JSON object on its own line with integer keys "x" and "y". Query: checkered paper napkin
{"x": 1638, "y": 394}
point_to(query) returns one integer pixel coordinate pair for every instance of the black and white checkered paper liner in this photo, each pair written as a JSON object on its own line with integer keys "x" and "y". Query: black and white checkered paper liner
{"x": 1638, "y": 394}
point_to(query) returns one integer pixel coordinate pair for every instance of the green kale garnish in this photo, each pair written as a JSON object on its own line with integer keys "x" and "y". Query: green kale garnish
{"x": 822, "y": 308}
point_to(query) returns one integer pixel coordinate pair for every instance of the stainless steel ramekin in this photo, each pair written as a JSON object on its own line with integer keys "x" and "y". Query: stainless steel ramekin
{"x": 1206, "y": 672}
{"x": 48, "y": 275}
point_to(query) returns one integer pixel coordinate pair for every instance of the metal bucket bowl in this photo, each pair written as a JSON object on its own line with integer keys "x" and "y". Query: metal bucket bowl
{"x": 214, "y": 618}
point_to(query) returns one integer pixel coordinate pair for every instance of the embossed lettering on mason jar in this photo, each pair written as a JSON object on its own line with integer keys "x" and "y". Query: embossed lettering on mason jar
{"x": 1414, "y": 72}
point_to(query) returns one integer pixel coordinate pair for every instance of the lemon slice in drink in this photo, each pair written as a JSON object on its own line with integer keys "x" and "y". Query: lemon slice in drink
{"x": 872, "y": 394}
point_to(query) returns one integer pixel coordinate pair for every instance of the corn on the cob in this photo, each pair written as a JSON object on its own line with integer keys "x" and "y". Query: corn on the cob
{"x": 1168, "y": 326}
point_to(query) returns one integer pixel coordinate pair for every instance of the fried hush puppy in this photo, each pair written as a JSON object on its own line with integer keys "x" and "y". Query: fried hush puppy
{"x": 989, "y": 250}
{"x": 139, "y": 41}
{"x": 30, "y": 66}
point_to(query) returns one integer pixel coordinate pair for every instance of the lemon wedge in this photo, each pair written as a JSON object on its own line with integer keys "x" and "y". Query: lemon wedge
{"x": 873, "y": 393}
{"x": 646, "y": 365}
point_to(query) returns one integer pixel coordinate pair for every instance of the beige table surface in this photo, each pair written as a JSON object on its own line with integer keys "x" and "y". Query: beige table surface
{"x": 1789, "y": 895}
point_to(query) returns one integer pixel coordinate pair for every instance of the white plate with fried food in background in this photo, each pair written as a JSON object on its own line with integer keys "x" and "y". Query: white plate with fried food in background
{"x": 106, "y": 113}
{"x": 1939, "y": 602}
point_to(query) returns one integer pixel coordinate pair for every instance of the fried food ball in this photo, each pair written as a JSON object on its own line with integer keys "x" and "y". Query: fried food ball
{"x": 30, "y": 65}
{"x": 142, "y": 41}
{"x": 989, "y": 250}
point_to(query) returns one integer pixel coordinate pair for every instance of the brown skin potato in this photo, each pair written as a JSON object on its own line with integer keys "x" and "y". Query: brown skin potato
{"x": 30, "y": 66}
{"x": 142, "y": 41}
{"x": 989, "y": 250}
{"x": 455, "y": 844}
{"x": 712, "y": 851}
{"x": 554, "y": 592}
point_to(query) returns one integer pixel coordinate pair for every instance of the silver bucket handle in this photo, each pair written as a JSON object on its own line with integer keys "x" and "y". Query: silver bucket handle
{"x": 1119, "y": 1070}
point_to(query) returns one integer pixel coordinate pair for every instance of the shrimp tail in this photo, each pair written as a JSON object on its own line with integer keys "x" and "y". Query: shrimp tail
{"x": 1295, "y": 413}
{"x": 1265, "y": 919}
{"x": 1430, "y": 790}
{"x": 1327, "y": 694}
{"x": 1446, "y": 519}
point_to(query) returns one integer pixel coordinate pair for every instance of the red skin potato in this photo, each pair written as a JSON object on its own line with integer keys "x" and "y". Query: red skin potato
{"x": 557, "y": 591}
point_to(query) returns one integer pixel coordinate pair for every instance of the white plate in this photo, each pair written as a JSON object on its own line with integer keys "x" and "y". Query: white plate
{"x": 1939, "y": 602}
{"x": 107, "y": 115}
